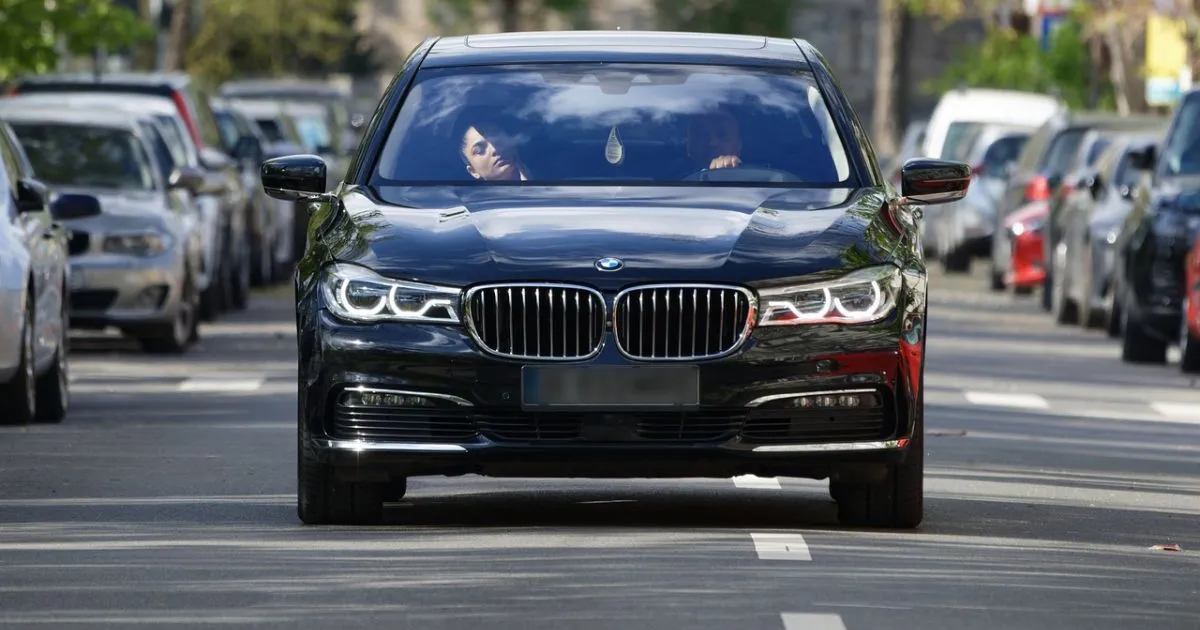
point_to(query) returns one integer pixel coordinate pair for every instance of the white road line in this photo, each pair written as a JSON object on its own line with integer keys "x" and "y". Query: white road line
{"x": 780, "y": 547}
{"x": 1005, "y": 399}
{"x": 812, "y": 621}
{"x": 762, "y": 483}
{"x": 221, "y": 384}
{"x": 1185, "y": 412}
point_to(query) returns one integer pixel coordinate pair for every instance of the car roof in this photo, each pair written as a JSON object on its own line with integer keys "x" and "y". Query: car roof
{"x": 90, "y": 117}
{"x": 271, "y": 107}
{"x": 172, "y": 79}
{"x": 280, "y": 88}
{"x": 662, "y": 46}
{"x": 113, "y": 100}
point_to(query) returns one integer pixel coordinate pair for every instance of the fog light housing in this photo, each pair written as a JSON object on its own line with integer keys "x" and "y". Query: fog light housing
{"x": 392, "y": 400}
{"x": 151, "y": 297}
{"x": 861, "y": 399}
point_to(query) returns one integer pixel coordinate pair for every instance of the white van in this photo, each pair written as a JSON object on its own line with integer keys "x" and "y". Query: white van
{"x": 961, "y": 111}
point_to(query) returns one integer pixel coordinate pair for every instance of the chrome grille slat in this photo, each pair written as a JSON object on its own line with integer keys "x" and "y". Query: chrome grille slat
{"x": 543, "y": 321}
{"x": 646, "y": 332}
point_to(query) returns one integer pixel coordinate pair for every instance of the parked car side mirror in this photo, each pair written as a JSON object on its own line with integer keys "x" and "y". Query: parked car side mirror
{"x": 188, "y": 178}
{"x": 1095, "y": 184}
{"x": 294, "y": 177}
{"x": 32, "y": 195}
{"x": 930, "y": 181}
{"x": 74, "y": 206}
{"x": 1144, "y": 159}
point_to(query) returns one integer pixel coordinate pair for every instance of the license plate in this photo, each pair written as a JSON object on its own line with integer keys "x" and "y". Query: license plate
{"x": 610, "y": 387}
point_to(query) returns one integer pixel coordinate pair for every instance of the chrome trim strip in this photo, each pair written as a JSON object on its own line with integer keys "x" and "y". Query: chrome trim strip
{"x": 773, "y": 397}
{"x": 751, "y": 318}
{"x": 832, "y": 447}
{"x": 469, "y": 320}
{"x": 462, "y": 402}
{"x": 361, "y": 446}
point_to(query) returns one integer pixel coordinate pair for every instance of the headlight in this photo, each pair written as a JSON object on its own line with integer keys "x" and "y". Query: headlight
{"x": 359, "y": 294}
{"x": 1021, "y": 227}
{"x": 137, "y": 243}
{"x": 860, "y": 297}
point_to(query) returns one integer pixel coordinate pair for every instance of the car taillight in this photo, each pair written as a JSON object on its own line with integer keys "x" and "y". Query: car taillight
{"x": 1038, "y": 189}
{"x": 186, "y": 114}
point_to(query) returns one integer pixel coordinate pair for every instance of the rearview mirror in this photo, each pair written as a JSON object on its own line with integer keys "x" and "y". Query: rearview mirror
{"x": 31, "y": 195}
{"x": 930, "y": 181}
{"x": 74, "y": 206}
{"x": 294, "y": 177}
{"x": 188, "y": 178}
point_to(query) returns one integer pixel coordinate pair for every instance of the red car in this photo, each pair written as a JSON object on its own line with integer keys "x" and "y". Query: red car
{"x": 1189, "y": 333}
{"x": 1027, "y": 264}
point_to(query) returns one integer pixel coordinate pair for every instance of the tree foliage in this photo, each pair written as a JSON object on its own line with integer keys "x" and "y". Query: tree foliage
{"x": 30, "y": 31}
{"x": 242, "y": 38}
{"x": 457, "y": 17}
{"x": 1009, "y": 60}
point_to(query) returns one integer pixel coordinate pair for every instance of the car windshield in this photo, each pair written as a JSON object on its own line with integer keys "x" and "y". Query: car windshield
{"x": 87, "y": 156}
{"x": 1182, "y": 152}
{"x": 614, "y": 124}
{"x": 1062, "y": 149}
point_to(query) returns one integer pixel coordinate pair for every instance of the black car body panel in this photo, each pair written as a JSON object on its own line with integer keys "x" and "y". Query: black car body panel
{"x": 583, "y": 256}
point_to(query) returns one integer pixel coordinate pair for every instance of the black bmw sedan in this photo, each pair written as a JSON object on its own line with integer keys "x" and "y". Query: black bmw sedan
{"x": 612, "y": 254}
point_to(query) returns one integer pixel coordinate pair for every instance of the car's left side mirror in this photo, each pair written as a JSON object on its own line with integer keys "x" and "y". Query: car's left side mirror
{"x": 74, "y": 206}
{"x": 32, "y": 195}
{"x": 930, "y": 181}
{"x": 1144, "y": 159}
{"x": 294, "y": 177}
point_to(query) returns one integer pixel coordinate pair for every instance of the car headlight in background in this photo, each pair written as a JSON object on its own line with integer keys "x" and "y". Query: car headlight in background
{"x": 860, "y": 297}
{"x": 145, "y": 244}
{"x": 358, "y": 294}
{"x": 1021, "y": 227}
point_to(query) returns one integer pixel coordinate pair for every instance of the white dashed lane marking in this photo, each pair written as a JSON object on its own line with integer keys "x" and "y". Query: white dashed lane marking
{"x": 781, "y": 547}
{"x": 1182, "y": 412}
{"x": 762, "y": 483}
{"x": 221, "y": 384}
{"x": 1006, "y": 399}
{"x": 812, "y": 621}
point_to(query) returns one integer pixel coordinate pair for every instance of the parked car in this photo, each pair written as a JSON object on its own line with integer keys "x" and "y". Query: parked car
{"x": 1092, "y": 213}
{"x": 332, "y": 100}
{"x": 1189, "y": 330}
{"x": 492, "y": 288}
{"x": 1155, "y": 238}
{"x": 34, "y": 280}
{"x": 223, "y": 196}
{"x": 1023, "y": 233}
{"x": 960, "y": 111}
{"x": 133, "y": 264}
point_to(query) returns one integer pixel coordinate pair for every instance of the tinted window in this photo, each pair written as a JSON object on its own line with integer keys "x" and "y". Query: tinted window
{"x": 1096, "y": 149}
{"x": 175, "y": 134}
{"x": 162, "y": 153}
{"x": 1182, "y": 153}
{"x": 1002, "y": 152}
{"x": 1063, "y": 148}
{"x": 228, "y": 126}
{"x": 959, "y": 137}
{"x": 81, "y": 155}
{"x": 614, "y": 123}
{"x": 314, "y": 134}
{"x": 205, "y": 121}
{"x": 271, "y": 129}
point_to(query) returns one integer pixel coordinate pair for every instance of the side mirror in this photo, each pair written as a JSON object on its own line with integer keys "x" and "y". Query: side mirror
{"x": 1096, "y": 185}
{"x": 32, "y": 195}
{"x": 930, "y": 181}
{"x": 1054, "y": 181}
{"x": 74, "y": 206}
{"x": 187, "y": 177}
{"x": 1144, "y": 159}
{"x": 294, "y": 177}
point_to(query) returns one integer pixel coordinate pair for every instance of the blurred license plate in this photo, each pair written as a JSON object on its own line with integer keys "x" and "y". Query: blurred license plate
{"x": 610, "y": 387}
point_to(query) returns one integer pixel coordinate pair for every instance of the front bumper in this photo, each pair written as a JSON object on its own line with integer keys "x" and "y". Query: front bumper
{"x": 746, "y": 422}
{"x": 110, "y": 290}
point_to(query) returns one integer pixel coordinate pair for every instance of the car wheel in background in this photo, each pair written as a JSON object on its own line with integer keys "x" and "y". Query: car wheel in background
{"x": 18, "y": 397}
{"x": 1137, "y": 346}
{"x": 54, "y": 387}
{"x": 1189, "y": 346}
{"x": 240, "y": 295}
{"x": 176, "y": 337}
{"x": 1062, "y": 307}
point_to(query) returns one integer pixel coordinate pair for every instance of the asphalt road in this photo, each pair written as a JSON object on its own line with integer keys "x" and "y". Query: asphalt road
{"x": 166, "y": 499}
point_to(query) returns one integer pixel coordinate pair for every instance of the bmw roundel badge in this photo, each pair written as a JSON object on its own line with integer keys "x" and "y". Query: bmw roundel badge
{"x": 609, "y": 264}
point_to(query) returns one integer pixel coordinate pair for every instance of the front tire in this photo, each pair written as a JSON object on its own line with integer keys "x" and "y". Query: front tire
{"x": 897, "y": 502}
{"x": 53, "y": 387}
{"x": 1137, "y": 346}
{"x": 324, "y": 500}
{"x": 18, "y": 397}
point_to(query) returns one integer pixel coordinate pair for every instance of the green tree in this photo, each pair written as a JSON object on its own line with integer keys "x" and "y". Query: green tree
{"x": 463, "y": 16}
{"x": 30, "y": 32}
{"x": 243, "y": 38}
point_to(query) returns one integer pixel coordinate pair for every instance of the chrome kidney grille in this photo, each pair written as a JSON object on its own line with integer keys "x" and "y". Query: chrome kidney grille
{"x": 537, "y": 321}
{"x": 682, "y": 322}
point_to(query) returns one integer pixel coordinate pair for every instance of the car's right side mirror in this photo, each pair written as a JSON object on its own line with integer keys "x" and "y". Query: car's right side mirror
{"x": 294, "y": 177}
{"x": 930, "y": 181}
{"x": 1144, "y": 159}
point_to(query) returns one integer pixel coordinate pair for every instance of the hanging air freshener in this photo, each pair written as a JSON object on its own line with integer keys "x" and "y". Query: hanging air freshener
{"x": 614, "y": 151}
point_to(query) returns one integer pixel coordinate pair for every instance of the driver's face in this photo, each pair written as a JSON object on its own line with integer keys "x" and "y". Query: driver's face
{"x": 714, "y": 135}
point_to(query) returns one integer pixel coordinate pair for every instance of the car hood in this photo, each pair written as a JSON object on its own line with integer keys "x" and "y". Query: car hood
{"x": 119, "y": 210}
{"x": 461, "y": 235}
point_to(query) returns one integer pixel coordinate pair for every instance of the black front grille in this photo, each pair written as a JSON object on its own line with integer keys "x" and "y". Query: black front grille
{"x": 682, "y": 322}
{"x": 407, "y": 425}
{"x": 537, "y": 321}
{"x": 78, "y": 243}
{"x": 690, "y": 427}
{"x": 92, "y": 300}
{"x": 533, "y": 427}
